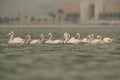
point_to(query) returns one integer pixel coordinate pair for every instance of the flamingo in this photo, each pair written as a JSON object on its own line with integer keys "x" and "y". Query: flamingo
{"x": 49, "y": 38}
{"x": 85, "y": 40}
{"x": 50, "y": 41}
{"x": 75, "y": 39}
{"x": 38, "y": 41}
{"x": 91, "y": 39}
{"x": 13, "y": 40}
{"x": 98, "y": 40}
{"x": 107, "y": 40}
{"x": 66, "y": 37}
{"x": 27, "y": 39}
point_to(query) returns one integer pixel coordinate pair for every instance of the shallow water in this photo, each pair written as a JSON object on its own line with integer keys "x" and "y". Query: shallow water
{"x": 60, "y": 61}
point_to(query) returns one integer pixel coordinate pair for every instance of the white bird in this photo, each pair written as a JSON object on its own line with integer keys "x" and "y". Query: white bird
{"x": 50, "y": 41}
{"x": 66, "y": 37}
{"x": 85, "y": 40}
{"x": 98, "y": 40}
{"x": 75, "y": 39}
{"x": 107, "y": 40}
{"x": 27, "y": 39}
{"x": 13, "y": 40}
{"x": 38, "y": 41}
{"x": 91, "y": 39}
{"x": 49, "y": 38}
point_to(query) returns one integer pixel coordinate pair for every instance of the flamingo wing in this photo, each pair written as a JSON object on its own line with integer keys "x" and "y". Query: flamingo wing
{"x": 34, "y": 42}
{"x": 84, "y": 40}
{"x": 17, "y": 40}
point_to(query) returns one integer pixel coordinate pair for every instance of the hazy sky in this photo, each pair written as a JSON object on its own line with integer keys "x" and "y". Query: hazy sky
{"x": 11, "y": 8}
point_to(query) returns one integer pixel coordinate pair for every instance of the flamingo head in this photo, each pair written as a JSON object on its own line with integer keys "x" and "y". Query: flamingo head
{"x": 65, "y": 36}
{"x": 28, "y": 37}
{"x": 65, "y": 33}
{"x": 41, "y": 36}
{"x": 10, "y": 35}
{"x": 12, "y": 32}
{"x": 49, "y": 35}
{"x": 89, "y": 37}
{"x": 77, "y": 35}
{"x": 99, "y": 37}
{"x": 92, "y": 35}
{"x": 110, "y": 40}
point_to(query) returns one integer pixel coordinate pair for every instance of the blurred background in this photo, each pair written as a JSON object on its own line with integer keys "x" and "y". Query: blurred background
{"x": 103, "y": 12}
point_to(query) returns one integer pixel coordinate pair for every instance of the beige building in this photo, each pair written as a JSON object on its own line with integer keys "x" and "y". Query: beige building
{"x": 89, "y": 10}
{"x": 70, "y": 7}
{"x": 112, "y": 7}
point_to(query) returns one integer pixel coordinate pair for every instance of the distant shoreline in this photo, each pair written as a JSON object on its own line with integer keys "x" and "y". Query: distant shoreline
{"x": 59, "y": 26}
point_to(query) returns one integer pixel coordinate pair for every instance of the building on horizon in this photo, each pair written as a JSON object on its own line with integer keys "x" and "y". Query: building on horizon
{"x": 89, "y": 10}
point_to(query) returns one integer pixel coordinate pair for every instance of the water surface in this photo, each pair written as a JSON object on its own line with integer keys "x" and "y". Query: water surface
{"x": 60, "y": 61}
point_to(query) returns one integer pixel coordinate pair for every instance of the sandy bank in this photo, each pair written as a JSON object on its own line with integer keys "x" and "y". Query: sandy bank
{"x": 58, "y": 26}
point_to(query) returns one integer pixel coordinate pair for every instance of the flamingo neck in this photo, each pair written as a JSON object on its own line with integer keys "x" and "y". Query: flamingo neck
{"x": 27, "y": 40}
{"x": 50, "y": 37}
{"x": 78, "y": 37}
{"x": 92, "y": 38}
{"x": 89, "y": 39}
{"x": 11, "y": 37}
{"x": 65, "y": 39}
{"x": 41, "y": 38}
